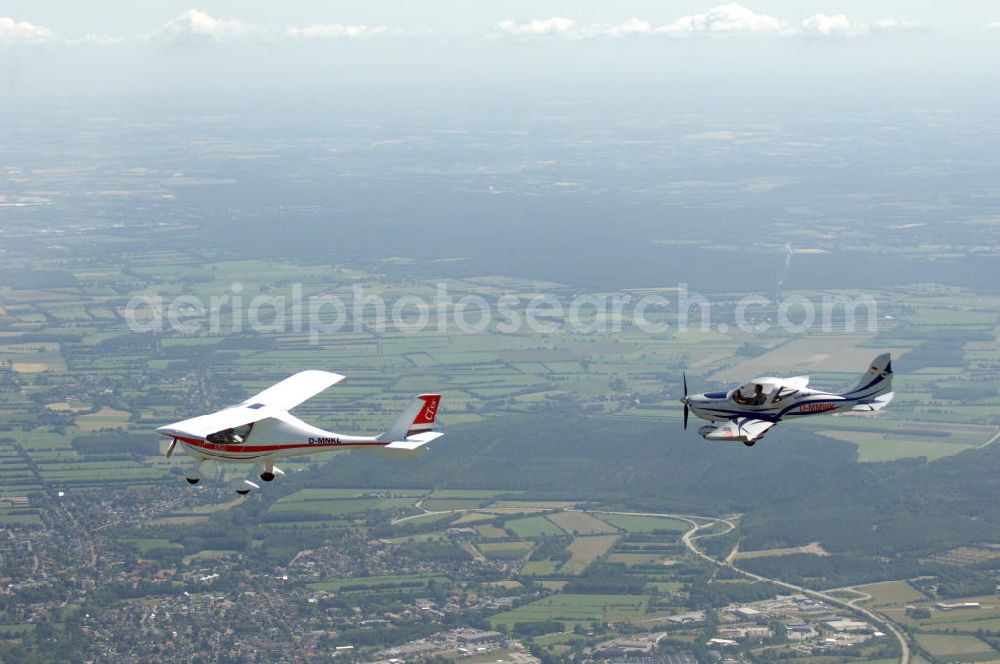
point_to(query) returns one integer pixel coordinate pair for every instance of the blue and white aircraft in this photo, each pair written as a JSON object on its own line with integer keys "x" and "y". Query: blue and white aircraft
{"x": 749, "y": 411}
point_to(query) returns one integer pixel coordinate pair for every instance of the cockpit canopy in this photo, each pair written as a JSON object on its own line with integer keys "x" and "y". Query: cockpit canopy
{"x": 232, "y": 436}
{"x": 762, "y": 391}
{"x": 752, "y": 394}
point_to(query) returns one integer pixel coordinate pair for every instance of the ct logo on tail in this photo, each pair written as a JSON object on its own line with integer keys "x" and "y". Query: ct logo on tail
{"x": 430, "y": 409}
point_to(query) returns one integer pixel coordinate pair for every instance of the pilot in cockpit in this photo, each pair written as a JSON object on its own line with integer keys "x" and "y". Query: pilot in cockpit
{"x": 756, "y": 399}
{"x": 225, "y": 437}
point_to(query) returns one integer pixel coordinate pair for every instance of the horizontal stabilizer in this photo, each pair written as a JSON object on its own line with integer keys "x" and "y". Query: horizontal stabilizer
{"x": 415, "y": 441}
{"x": 878, "y": 403}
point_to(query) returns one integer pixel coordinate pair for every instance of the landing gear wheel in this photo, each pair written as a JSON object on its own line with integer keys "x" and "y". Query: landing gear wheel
{"x": 243, "y": 492}
{"x": 266, "y": 476}
{"x": 749, "y": 443}
{"x": 193, "y": 480}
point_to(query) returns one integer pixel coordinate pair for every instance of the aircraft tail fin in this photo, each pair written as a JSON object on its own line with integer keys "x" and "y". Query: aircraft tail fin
{"x": 876, "y": 381}
{"x": 417, "y": 418}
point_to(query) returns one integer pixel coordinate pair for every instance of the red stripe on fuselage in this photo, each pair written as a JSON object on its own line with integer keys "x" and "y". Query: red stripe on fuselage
{"x": 263, "y": 449}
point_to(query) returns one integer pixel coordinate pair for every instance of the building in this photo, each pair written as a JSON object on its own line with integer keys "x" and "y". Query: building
{"x": 846, "y": 625}
{"x": 952, "y": 606}
{"x": 747, "y": 613}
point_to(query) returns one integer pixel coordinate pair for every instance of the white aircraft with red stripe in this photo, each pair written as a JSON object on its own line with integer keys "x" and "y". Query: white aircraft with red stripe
{"x": 262, "y": 430}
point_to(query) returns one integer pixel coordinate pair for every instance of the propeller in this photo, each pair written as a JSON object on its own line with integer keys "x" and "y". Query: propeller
{"x": 685, "y": 400}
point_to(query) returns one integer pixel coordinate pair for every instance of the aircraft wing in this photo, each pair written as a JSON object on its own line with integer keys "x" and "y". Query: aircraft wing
{"x": 272, "y": 402}
{"x": 292, "y": 391}
{"x": 745, "y": 429}
{"x": 228, "y": 418}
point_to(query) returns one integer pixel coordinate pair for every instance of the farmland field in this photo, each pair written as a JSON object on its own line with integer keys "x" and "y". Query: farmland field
{"x": 533, "y": 526}
{"x": 576, "y": 608}
{"x": 586, "y": 549}
{"x": 643, "y": 524}
{"x": 580, "y": 523}
{"x": 892, "y": 592}
{"x": 942, "y": 645}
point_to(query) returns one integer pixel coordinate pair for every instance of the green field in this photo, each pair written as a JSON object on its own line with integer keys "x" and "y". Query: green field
{"x": 533, "y": 526}
{"x": 505, "y": 550}
{"x": 952, "y": 646}
{"x": 580, "y": 523}
{"x": 372, "y": 582}
{"x": 643, "y": 524}
{"x": 576, "y": 608}
{"x": 585, "y": 550}
{"x": 891, "y": 593}
{"x": 339, "y": 507}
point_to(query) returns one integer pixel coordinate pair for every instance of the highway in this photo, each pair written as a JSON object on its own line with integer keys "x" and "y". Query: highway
{"x": 699, "y": 524}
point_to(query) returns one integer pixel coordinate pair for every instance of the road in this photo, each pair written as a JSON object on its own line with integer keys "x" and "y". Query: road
{"x": 990, "y": 441}
{"x": 698, "y": 524}
{"x": 692, "y": 535}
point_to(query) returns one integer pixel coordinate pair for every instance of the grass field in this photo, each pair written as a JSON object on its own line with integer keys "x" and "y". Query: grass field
{"x": 149, "y": 543}
{"x": 586, "y": 550}
{"x": 505, "y": 550}
{"x": 892, "y": 593}
{"x": 533, "y": 526}
{"x": 473, "y": 517}
{"x": 576, "y": 608}
{"x": 481, "y": 494}
{"x": 632, "y": 559}
{"x": 813, "y": 548}
{"x": 447, "y": 504}
{"x": 490, "y": 531}
{"x": 105, "y": 418}
{"x": 643, "y": 524}
{"x": 810, "y": 354}
{"x": 339, "y": 507}
{"x": 580, "y": 523}
{"x": 879, "y": 446}
{"x": 209, "y": 554}
{"x": 952, "y": 646}
{"x": 374, "y": 581}
{"x": 540, "y": 568}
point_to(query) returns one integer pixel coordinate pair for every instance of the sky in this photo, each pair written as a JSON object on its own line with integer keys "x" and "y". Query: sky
{"x": 112, "y": 47}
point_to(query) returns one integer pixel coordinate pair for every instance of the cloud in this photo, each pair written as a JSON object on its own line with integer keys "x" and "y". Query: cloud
{"x": 992, "y": 27}
{"x": 633, "y": 26}
{"x": 545, "y": 27}
{"x": 22, "y": 32}
{"x": 565, "y": 28}
{"x": 342, "y": 31}
{"x": 194, "y": 26}
{"x": 94, "y": 39}
{"x": 731, "y": 18}
{"x": 727, "y": 19}
{"x": 839, "y": 25}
